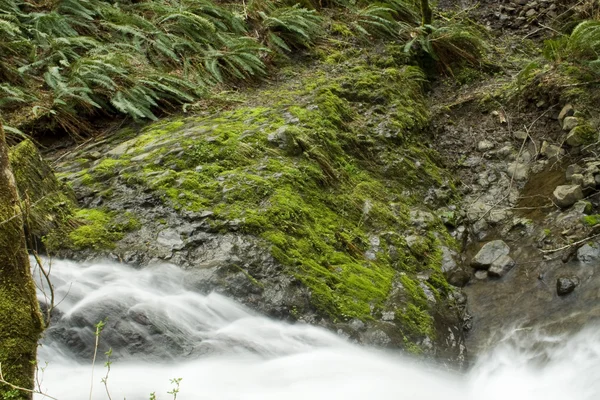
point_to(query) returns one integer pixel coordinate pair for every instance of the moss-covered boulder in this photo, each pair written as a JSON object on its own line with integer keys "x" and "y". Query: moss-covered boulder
{"x": 296, "y": 199}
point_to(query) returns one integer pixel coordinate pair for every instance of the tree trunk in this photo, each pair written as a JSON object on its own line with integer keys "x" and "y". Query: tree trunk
{"x": 426, "y": 13}
{"x": 20, "y": 319}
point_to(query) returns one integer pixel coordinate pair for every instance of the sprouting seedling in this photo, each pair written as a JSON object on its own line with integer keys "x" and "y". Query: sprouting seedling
{"x": 175, "y": 390}
{"x": 99, "y": 326}
{"x": 107, "y": 365}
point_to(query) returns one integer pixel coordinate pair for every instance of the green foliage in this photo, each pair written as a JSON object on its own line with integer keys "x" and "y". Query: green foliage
{"x": 582, "y": 45}
{"x": 95, "y": 57}
{"x": 289, "y": 28}
{"x": 454, "y": 43}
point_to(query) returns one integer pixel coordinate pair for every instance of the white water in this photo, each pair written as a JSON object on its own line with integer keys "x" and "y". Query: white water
{"x": 223, "y": 351}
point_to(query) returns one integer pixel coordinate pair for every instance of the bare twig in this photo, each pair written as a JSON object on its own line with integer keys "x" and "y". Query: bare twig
{"x": 577, "y": 243}
{"x": 46, "y": 274}
{"x": 15, "y": 387}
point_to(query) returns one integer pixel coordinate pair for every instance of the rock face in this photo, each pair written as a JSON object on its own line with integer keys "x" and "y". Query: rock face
{"x": 490, "y": 253}
{"x": 567, "y": 195}
{"x": 566, "y": 285}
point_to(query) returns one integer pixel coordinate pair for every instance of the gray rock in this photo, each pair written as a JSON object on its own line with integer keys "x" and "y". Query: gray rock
{"x": 566, "y": 285}
{"x": 485, "y": 145}
{"x": 577, "y": 179}
{"x": 481, "y": 274}
{"x": 551, "y": 151}
{"x": 477, "y": 210}
{"x": 575, "y": 137}
{"x": 566, "y": 195}
{"x": 589, "y": 181}
{"x": 170, "y": 238}
{"x": 567, "y": 111}
{"x": 569, "y": 123}
{"x": 582, "y": 207}
{"x": 501, "y": 266}
{"x": 455, "y": 275}
{"x": 421, "y": 219}
{"x": 489, "y": 253}
{"x": 571, "y": 170}
{"x": 518, "y": 171}
{"x": 520, "y": 135}
{"x": 588, "y": 253}
{"x": 498, "y": 215}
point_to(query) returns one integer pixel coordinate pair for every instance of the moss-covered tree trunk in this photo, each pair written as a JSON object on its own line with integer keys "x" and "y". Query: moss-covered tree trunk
{"x": 426, "y": 13}
{"x": 20, "y": 319}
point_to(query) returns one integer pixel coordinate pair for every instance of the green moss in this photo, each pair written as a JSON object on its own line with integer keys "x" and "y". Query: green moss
{"x": 319, "y": 167}
{"x": 586, "y": 133}
{"x": 107, "y": 168}
{"x": 591, "y": 220}
{"x": 100, "y": 229}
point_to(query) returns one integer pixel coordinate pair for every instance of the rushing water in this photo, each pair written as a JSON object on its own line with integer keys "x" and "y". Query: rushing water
{"x": 160, "y": 328}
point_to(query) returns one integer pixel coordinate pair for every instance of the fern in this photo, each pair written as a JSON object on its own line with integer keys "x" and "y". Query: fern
{"x": 376, "y": 20}
{"x": 239, "y": 59}
{"x": 584, "y": 42}
{"x": 452, "y": 44}
{"x": 290, "y": 27}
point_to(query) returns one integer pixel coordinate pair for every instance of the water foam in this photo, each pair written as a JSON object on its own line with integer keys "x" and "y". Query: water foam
{"x": 232, "y": 353}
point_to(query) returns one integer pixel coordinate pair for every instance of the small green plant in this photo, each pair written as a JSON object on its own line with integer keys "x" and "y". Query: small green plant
{"x": 99, "y": 326}
{"x": 105, "y": 379}
{"x": 176, "y": 382}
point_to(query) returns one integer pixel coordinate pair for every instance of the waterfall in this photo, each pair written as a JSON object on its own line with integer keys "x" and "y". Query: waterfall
{"x": 160, "y": 328}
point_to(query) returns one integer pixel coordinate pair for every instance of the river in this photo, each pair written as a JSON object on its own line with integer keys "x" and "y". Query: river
{"x": 160, "y": 328}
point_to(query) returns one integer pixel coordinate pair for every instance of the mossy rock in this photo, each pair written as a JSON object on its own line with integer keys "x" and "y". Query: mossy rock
{"x": 47, "y": 203}
{"x": 323, "y": 170}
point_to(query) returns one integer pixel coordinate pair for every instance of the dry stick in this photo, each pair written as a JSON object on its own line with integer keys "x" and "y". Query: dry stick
{"x": 2, "y": 380}
{"x": 571, "y": 245}
{"x": 50, "y": 286}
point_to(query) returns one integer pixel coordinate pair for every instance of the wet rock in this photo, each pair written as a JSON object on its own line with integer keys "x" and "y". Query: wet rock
{"x": 566, "y": 285}
{"x": 567, "y": 111}
{"x": 485, "y": 145}
{"x": 569, "y": 123}
{"x": 489, "y": 253}
{"x": 501, "y": 266}
{"x": 588, "y": 253}
{"x": 566, "y": 195}
{"x": 455, "y": 274}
